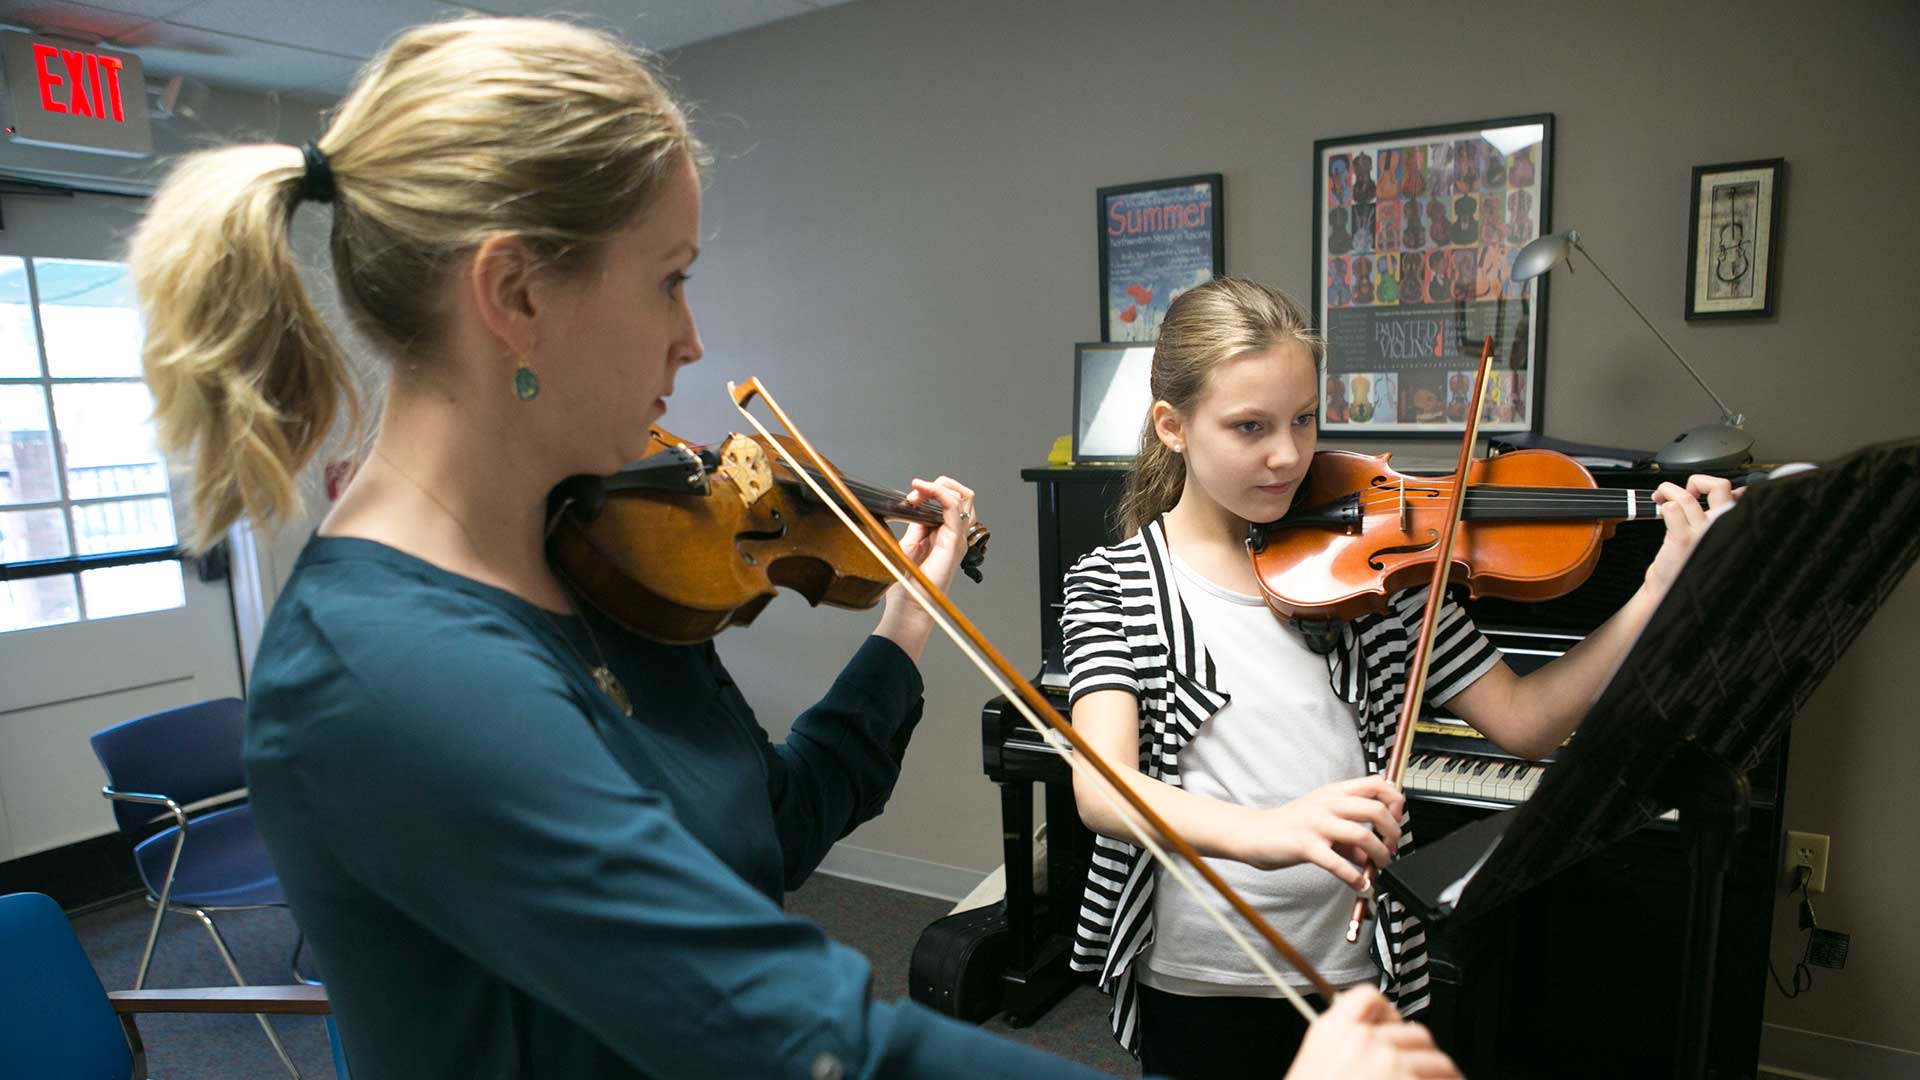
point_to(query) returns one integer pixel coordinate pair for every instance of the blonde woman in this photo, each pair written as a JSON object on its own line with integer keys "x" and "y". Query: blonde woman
{"x": 522, "y": 842}
{"x": 1236, "y": 729}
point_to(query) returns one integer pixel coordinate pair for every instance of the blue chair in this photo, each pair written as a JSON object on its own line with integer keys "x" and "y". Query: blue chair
{"x": 156, "y": 766}
{"x": 58, "y": 1023}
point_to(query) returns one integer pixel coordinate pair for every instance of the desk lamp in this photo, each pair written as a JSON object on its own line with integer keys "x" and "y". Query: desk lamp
{"x": 1709, "y": 446}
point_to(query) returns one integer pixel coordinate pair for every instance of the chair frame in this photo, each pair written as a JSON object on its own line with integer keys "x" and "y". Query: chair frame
{"x": 301, "y": 1000}
{"x": 162, "y": 905}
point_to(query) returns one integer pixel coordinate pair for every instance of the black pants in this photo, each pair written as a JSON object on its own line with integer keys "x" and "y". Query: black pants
{"x": 1218, "y": 1038}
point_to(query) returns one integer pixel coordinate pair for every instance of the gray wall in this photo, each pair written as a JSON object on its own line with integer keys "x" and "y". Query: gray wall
{"x": 899, "y": 243}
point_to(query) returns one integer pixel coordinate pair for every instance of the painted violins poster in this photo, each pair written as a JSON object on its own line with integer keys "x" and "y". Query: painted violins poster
{"x": 1157, "y": 240}
{"x": 1415, "y": 234}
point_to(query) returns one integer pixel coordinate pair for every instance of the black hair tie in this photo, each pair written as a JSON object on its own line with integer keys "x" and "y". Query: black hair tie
{"x": 318, "y": 183}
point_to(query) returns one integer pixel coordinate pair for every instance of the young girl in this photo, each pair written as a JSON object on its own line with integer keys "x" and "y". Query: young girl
{"x": 506, "y": 870}
{"x": 1262, "y": 752}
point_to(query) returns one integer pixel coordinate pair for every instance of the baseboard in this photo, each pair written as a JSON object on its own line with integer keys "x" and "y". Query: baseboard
{"x": 79, "y": 876}
{"x": 901, "y": 872}
{"x": 1809, "y": 1055}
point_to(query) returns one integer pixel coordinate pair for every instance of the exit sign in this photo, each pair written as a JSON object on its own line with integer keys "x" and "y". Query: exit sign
{"x": 76, "y": 97}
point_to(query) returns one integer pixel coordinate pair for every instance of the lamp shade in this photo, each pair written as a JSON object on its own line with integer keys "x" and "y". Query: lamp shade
{"x": 1543, "y": 255}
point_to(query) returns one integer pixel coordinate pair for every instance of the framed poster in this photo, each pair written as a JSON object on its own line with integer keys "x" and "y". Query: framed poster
{"x": 1733, "y": 230}
{"x": 1112, "y": 396}
{"x": 1414, "y": 237}
{"x": 1157, "y": 240}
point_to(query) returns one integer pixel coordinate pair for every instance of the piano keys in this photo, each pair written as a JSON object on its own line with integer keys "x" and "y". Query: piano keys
{"x": 1485, "y": 780}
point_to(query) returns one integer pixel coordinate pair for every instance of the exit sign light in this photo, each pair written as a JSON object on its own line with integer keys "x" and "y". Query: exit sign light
{"x": 76, "y": 97}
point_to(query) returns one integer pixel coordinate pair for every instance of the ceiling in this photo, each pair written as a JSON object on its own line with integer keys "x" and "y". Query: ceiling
{"x": 311, "y": 48}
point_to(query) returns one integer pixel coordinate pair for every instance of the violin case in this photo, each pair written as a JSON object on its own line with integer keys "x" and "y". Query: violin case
{"x": 958, "y": 962}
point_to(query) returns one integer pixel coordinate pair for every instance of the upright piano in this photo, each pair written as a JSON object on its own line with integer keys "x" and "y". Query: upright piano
{"x": 1579, "y": 977}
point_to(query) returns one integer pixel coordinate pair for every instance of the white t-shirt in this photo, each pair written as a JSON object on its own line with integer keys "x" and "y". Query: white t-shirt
{"x": 1284, "y": 734}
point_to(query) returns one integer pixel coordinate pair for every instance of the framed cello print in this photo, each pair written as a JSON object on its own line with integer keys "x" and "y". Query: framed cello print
{"x": 1733, "y": 232}
{"x": 1414, "y": 237}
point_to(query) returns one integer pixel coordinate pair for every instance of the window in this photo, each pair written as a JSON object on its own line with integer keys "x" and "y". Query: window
{"x": 86, "y": 521}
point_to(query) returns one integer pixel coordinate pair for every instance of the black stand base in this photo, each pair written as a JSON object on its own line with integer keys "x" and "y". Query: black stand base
{"x": 1030, "y": 991}
{"x": 1041, "y": 927}
{"x": 1713, "y": 800}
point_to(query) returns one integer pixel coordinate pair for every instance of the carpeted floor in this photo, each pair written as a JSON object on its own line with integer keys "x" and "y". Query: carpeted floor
{"x": 881, "y": 923}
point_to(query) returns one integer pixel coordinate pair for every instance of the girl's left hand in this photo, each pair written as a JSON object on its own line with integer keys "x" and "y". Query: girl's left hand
{"x": 1686, "y": 523}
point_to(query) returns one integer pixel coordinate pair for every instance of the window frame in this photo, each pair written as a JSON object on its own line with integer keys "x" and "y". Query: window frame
{"x": 74, "y": 564}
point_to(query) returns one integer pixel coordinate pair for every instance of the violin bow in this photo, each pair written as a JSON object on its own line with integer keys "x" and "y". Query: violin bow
{"x": 1416, "y": 691}
{"x": 1046, "y": 721}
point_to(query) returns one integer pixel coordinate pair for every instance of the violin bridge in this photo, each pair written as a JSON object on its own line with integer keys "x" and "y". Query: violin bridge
{"x": 744, "y": 462}
{"x": 1406, "y": 511}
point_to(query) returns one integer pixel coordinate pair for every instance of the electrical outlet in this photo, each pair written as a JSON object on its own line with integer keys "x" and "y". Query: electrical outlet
{"x": 1809, "y": 850}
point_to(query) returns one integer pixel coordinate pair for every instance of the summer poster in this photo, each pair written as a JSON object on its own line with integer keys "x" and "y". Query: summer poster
{"x": 1156, "y": 243}
{"x": 1417, "y": 242}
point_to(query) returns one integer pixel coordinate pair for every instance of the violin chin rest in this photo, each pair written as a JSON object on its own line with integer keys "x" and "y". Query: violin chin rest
{"x": 584, "y": 495}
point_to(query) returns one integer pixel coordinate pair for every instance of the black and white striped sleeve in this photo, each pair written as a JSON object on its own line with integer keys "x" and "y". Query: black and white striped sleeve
{"x": 1461, "y": 653}
{"x": 1093, "y": 631}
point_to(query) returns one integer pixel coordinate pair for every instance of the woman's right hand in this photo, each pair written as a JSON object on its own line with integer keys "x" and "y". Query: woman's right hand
{"x": 1362, "y": 1037}
{"x": 1339, "y": 828}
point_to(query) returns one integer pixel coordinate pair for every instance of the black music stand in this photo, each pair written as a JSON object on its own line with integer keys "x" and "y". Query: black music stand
{"x": 1776, "y": 591}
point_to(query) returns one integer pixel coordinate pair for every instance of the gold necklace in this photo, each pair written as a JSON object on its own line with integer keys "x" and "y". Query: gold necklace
{"x": 603, "y": 676}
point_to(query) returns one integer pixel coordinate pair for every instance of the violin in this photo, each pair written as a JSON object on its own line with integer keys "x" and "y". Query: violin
{"x": 1466, "y": 220}
{"x": 1413, "y": 274}
{"x": 1413, "y": 228}
{"x": 1530, "y": 530}
{"x": 1437, "y": 227}
{"x": 1363, "y": 223}
{"x": 693, "y": 539}
{"x": 1413, "y": 170}
{"x": 1730, "y": 259}
{"x": 1495, "y": 173}
{"x": 1519, "y": 217}
{"x": 1493, "y": 220}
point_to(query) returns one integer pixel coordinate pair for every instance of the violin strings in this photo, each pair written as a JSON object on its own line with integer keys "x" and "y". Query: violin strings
{"x": 1048, "y": 735}
{"x": 890, "y": 499}
{"x": 1514, "y": 500}
{"x": 880, "y": 498}
{"x": 1498, "y": 493}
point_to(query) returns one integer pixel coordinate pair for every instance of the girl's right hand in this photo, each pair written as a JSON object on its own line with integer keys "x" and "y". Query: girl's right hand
{"x": 1338, "y": 828}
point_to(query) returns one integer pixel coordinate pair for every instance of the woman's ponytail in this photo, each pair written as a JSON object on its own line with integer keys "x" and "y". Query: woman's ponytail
{"x": 246, "y": 377}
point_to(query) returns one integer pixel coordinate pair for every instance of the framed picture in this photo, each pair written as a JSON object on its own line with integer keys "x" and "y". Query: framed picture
{"x": 1734, "y": 231}
{"x": 1414, "y": 237}
{"x": 1111, "y": 398}
{"x": 1157, "y": 240}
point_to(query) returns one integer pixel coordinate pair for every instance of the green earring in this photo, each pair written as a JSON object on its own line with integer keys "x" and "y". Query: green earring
{"x": 525, "y": 383}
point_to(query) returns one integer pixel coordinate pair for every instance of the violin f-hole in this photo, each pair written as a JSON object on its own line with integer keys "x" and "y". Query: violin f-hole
{"x": 749, "y": 536}
{"x": 1433, "y": 538}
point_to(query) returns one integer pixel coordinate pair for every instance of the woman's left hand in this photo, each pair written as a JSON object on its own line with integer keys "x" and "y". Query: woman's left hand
{"x": 1687, "y": 522}
{"x": 938, "y": 551}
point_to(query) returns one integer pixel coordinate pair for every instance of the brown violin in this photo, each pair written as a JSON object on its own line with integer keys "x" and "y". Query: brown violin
{"x": 693, "y": 539}
{"x": 1530, "y": 530}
